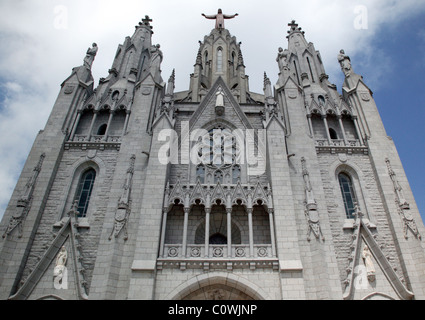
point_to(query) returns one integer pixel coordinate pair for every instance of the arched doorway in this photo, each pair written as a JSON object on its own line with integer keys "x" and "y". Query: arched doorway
{"x": 218, "y": 286}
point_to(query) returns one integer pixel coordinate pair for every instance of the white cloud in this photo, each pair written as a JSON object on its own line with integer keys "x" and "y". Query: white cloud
{"x": 43, "y": 40}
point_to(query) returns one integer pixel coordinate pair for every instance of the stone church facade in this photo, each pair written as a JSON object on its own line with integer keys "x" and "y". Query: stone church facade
{"x": 134, "y": 191}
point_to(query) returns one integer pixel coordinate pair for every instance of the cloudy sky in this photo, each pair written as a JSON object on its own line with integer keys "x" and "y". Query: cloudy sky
{"x": 42, "y": 40}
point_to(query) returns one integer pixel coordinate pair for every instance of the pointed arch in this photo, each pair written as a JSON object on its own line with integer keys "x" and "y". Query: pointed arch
{"x": 227, "y": 280}
{"x": 75, "y": 173}
{"x": 356, "y": 174}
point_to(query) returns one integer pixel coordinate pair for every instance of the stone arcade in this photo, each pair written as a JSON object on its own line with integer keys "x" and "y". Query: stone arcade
{"x": 311, "y": 203}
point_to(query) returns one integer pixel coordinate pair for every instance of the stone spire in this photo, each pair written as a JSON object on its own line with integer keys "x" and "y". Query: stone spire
{"x": 219, "y": 56}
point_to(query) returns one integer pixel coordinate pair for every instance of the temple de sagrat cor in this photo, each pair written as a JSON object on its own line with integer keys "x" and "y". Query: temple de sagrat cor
{"x": 135, "y": 191}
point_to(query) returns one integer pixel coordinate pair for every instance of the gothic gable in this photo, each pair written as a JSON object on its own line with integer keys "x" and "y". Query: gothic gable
{"x": 228, "y": 111}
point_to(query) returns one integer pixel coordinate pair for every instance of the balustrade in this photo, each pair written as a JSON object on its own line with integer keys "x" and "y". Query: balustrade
{"x": 197, "y": 252}
{"x": 96, "y": 138}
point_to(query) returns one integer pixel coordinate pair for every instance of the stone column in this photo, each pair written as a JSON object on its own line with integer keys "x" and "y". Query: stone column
{"x": 185, "y": 224}
{"x": 163, "y": 230}
{"x": 95, "y": 113}
{"x": 341, "y": 125}
{"x": 272, "y": 232}
{"x": 127, "y": 117}
{"x": 310, "y": 125}
{"x": 229, "y": 232}
{"x": 325, "y": 121}
{"x": 207, "y": 231}
{"x": 356, "y": 124}
{"x": 76, "y": 123}
{"x": 111, "y": 116}
{"x": 251, "y": 232}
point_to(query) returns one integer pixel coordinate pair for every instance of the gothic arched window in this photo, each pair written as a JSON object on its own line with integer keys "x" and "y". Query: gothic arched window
{"x": 348, "y": 195}
{"x": 84, "y": 191}
{"x": 206, "y": 62}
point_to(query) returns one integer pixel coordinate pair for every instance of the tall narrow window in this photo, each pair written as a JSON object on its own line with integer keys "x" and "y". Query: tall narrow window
{"x": 236, "y": 174}
{"x": 84, "y": 191}
{"x": 311, "y": 71}
{"x": 220, "y": 60}
{"x": 296, "y": 71}
{"x": 200, "y": 173}
{"x": 348, "y": 195}
{"x": 218, "y": 177}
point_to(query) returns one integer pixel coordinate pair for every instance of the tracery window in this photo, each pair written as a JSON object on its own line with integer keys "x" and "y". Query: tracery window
{"x": 219, "y": 154}
{"x": 218, "y": 148}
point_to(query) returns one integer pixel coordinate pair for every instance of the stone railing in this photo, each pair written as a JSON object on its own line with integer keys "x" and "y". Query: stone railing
{"x": 95, "y": 142}
{"x": 339, "y": 146}
{"x": 261, "y": 257}
{"x": 197, "y": 252}
{"x": 337, "y": 143}
{"x": 96, "y": 139}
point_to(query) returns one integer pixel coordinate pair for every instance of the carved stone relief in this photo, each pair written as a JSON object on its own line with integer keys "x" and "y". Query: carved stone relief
{"x": 403, "y": 206}
{"x": 123, "y": 211}
{"x": 311, "y": 212}
{"x": 24, "y": 203}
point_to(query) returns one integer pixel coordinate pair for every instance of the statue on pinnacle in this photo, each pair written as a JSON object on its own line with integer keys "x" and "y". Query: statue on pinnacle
{"x": 219, "y": 18}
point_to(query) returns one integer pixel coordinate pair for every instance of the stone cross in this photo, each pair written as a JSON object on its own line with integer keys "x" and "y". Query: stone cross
{"x": 146, "y": 21}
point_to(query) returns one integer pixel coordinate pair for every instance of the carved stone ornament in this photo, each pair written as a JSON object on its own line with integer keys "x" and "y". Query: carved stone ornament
{"x": 90, "y": 56}
{"x": 370, "y": 268}
{"x": 61, "y": 261}
{"x": 370, "y": 249}
{"x": 403, "y": 206}
{"x": 219, "y": 106}
{"x": 146, "y": 91}
{"x": 69, "y": 89}
{"x": 311, "y": 213}
{"x": 24, "y": 203}
{"x": 217, "y": 294}
{"x": 365, "y": 96}
{"x": 123, "y": 210}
